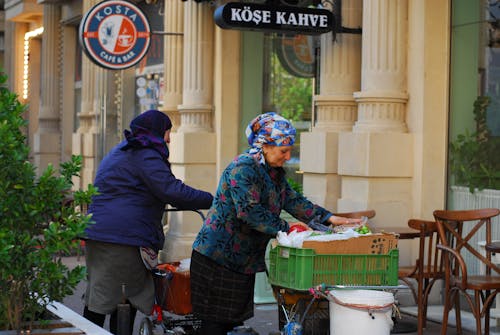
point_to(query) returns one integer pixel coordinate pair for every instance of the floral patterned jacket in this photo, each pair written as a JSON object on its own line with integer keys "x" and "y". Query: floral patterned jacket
{"x": 245, "y": 214}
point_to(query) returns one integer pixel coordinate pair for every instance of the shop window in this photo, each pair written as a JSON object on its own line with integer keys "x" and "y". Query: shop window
{"x": 475, "y": 96}
{"x": 474, "y": 163}
{"x": 492, "y": 66}
{"x": 289, "y": 70}
{"x": 149, "y": 72}
{"x": 148, "y": 91}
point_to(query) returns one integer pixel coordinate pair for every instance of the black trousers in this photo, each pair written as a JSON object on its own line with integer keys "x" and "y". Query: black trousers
{"x": 99, "y": 319}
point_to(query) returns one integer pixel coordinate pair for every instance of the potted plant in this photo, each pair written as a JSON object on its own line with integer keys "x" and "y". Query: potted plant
{"x": 474, "y": 157}
{"x": 37, "y": 224}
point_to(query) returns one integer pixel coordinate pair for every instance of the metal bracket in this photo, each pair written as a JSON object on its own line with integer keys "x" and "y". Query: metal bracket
{"x": 166, "y": 33}
{"x": 336, "y": 8}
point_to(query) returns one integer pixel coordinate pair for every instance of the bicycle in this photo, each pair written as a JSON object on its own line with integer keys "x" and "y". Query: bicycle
{"x": 168, "y": 316}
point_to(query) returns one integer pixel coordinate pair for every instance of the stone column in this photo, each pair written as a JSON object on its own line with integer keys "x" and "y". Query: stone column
{"x": 192, "y": 149}
{"x": 383, "y": 96}
{"x": 85, "y": 137}
{"x": 68, "y": 40}
{"x": 173, "y": 59}
{"x": 335, "y": 109}
{"x": 13, "y": 59}
{"x": 197, "y": 95}
{"x": 173, "y": 56}
{"x": 375, "y": 160}
{"x": 110, "y": 121}
{"x": 47, "y": 139}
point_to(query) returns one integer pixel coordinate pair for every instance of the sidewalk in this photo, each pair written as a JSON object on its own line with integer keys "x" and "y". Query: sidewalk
{"x": 265, "y": 320}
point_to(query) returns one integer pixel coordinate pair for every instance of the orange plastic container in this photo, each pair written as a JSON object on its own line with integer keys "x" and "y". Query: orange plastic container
{"x": 178, "y": 293}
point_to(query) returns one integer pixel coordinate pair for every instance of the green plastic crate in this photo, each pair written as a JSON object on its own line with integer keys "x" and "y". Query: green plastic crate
{"x": 301, "y": 269}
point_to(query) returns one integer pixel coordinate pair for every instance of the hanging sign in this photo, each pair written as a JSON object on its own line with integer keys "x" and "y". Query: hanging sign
{"x": 115, "y": 34}
{"x": 251, "y": 16}
{"x": 296, "y": 54}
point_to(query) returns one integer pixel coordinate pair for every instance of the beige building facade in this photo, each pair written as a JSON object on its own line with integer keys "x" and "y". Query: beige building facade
{"x": 378, "y": 138}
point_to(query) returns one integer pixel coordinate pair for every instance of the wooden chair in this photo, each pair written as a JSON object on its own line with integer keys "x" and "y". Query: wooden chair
{"x": 454, "y": 244}
{"x": 428, "y": 268}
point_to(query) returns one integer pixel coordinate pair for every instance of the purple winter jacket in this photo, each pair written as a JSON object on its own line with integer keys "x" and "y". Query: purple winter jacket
{"x": 134, "y": 187}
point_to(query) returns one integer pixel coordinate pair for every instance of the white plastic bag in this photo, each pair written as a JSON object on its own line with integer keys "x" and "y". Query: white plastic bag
{"x": 293, "y": 239}
{"x": 184, "y": 265}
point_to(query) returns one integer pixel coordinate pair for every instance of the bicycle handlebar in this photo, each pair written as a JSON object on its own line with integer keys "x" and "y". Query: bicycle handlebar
{"x": 200, "y": 213}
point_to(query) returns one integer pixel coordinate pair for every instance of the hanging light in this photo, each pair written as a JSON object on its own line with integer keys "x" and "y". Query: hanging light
{"x": 27, "y": 37}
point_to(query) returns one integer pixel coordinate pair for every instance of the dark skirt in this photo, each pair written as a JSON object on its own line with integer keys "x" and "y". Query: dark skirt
{"x": 219, "y": 294}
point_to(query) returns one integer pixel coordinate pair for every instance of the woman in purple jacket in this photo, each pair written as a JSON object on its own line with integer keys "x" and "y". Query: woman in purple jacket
{"x": 135, "y": 183}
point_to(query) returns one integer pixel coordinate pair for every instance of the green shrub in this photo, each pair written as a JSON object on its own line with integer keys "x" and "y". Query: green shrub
{"x": 295, "y": 185}
{"x": 475, "y": 158}
{"x": 37, "y": 223}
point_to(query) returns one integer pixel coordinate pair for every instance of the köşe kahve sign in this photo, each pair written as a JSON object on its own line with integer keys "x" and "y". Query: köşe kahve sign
{"x": 250, "y": 16}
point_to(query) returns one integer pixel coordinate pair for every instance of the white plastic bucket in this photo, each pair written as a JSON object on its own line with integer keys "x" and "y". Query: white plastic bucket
{"x": 360, "y": 312}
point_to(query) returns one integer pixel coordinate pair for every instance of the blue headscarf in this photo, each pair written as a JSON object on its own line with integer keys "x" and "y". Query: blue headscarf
{"x": 269, "y": 128}
{"x": 147, "y": 130}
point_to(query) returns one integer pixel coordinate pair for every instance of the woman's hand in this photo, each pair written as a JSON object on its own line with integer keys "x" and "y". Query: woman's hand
{"x": 341, "y": 221}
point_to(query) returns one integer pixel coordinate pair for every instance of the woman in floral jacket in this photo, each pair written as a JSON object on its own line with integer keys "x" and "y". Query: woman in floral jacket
{"x": 245, "y": 215}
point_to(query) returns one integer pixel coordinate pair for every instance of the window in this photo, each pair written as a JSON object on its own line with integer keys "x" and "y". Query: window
{"x": 289, "y": 69}
{"x": 475, "y": 96}
{"x": 278, "y": 75}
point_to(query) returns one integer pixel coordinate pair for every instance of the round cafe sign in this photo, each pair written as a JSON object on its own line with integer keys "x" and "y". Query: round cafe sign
{"x": 296, "y": 54}
{"x": 115, "y": 34}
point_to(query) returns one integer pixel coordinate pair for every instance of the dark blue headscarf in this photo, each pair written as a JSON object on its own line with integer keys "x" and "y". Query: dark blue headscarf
{"x": 147, "y": 131}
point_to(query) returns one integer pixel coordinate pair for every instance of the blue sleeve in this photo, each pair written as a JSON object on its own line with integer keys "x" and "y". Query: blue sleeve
{"x": 158, "y": 177}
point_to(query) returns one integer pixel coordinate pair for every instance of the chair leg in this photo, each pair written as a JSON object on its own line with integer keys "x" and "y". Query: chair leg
{"x": 425, "y": 300}
{"x": 420, "y": 314}
{"x": 458, "y": 317}
{"x": 487, "y": 322}
{"x": 446, "y": 311}
{"x": 486, "y": 313}
{"x": 477, "y": 314}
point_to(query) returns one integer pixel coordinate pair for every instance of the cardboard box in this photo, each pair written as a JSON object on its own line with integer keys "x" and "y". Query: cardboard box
{"x": 373, "y": 244}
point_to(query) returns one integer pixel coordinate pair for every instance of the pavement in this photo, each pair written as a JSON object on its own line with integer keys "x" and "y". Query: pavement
{"x": 266, "y": 316}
